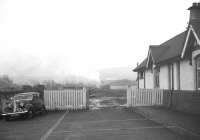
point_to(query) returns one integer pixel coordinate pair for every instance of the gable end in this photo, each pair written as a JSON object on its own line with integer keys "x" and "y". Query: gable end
{"x": 190, "y": 31}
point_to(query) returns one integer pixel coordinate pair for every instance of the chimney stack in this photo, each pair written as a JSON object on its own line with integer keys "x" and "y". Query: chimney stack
{"x": 194, "y": 12}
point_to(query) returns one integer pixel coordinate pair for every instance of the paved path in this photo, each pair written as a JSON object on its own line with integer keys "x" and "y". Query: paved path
{"x": 110, "y": 124}
{"x": 100, "y": 123}
{"x": 186, "y": 124}
{"x": 28, "y": 129}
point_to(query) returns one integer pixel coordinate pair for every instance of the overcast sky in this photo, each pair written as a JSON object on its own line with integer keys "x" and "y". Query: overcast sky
{"x": 79, "y": 37}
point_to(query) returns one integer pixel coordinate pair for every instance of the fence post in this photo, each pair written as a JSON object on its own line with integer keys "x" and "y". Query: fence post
{"x": 170, "y": 98}
{"x": 85, "y": 98}
{"x": 128, "y": 96}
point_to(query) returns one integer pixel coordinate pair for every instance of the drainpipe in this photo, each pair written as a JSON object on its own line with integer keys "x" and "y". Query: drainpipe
{"x": 138, "y": 76}
{"x": 138, "y": 80}
{"x": 172, "y": 85}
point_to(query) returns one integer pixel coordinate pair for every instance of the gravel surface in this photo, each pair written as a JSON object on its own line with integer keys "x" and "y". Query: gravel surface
{"x": 110, "y": 124}
{"x": 107, "y": 119}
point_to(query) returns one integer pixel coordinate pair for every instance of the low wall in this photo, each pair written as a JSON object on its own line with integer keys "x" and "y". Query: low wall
{"x": 186, "y": 101}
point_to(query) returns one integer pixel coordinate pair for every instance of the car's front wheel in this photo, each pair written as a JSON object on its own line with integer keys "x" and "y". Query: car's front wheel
{"x": 7, "y": 118}
{"x": 43, "y": 110}
{"x": 30, "y": 114}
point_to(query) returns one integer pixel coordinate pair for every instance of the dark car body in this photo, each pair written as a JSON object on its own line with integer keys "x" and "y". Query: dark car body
{"x": 24, "y": 105}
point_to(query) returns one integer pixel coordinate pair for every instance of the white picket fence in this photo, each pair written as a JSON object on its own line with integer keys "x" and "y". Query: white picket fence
{"x": 144, "y": 97}
{"x": 67, "y": 99}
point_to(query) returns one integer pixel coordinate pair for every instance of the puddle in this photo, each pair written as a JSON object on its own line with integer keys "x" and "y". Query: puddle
{"x": 105, "y": 102}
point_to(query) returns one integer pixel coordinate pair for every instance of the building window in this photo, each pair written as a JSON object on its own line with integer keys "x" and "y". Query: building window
{"x": 152, "y": 69}
{"x": 141, "y": 75}
{"x": 156, "y": 78}
{"x": 171, "y": 76}
{"x": 196, "y": 46}
{"x": 195, "y": 43}
{"x": 198, "y": 72}
{"x": 178, "y": 75}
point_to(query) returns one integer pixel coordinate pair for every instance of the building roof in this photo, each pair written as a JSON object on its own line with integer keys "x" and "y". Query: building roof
{"x": 174, "y": 49}
{"x": 141, "y": 66}
{"x": 156, "y": 52}
{"x": 165, "y": 51}
{"x": 195, "y": 5}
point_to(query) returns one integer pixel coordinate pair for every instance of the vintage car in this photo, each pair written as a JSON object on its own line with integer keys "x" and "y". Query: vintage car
{"x": 24, "y": 105}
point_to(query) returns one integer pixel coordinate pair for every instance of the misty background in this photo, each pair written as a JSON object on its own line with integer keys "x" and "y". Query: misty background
{"x": 82, "y": 41}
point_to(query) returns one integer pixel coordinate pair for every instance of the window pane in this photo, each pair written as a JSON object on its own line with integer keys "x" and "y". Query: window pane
{"x": 156, "y": 77}
{"x": 198, "y": 62}
{"x": 198, "y": 78}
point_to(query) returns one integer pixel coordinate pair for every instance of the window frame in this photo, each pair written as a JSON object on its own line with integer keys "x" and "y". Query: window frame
{"x": 157, "y": 77}
{"x": 141, "y": 75}
{"x": 197, "y": 71}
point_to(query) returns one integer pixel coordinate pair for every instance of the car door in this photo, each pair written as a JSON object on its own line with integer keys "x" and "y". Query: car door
{"x": 39, "y": 103}
{"x": 36, "y": 106}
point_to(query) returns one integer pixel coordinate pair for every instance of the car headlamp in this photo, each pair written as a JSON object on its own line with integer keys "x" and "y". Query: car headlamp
{"x": 21, "y": 104}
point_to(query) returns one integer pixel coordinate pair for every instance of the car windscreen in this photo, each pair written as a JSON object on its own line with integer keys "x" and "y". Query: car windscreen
{"x": 24, "y": 97}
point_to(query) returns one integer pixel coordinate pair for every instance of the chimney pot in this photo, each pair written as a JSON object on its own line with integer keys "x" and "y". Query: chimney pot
{"x": 194, "y": 12}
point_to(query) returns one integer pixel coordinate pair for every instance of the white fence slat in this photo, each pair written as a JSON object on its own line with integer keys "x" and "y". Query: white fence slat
{"x": 65, "y": 99}
{"x": 81, "y": 93}
{"x": 128, "y": 96}
{"x": 76, "y": 98}
{"x": 79, "y": 99}
{"x": 73, "y": 99}
{"x": 144, "y": 97}
{"x": 74, "y": 92}
{"x": 84, "y": 97}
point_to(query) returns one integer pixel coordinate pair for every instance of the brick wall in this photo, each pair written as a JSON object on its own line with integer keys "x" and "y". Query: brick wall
{"x": 186, "y": 101}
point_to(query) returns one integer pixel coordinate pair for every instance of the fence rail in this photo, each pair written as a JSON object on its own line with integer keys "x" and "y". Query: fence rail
{"x": 67, "y": 99}
{"x": 144, "y": 97}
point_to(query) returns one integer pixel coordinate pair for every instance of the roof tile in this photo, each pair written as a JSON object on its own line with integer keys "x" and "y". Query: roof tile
{"x": 167, "y": 50}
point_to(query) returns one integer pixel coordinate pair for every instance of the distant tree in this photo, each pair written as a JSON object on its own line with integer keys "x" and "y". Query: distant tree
{"x": 6, "y": 81}
{"x": 51, "y": 84}
{"x": 27, "y": 87}
{"x": 34, "y": 82}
